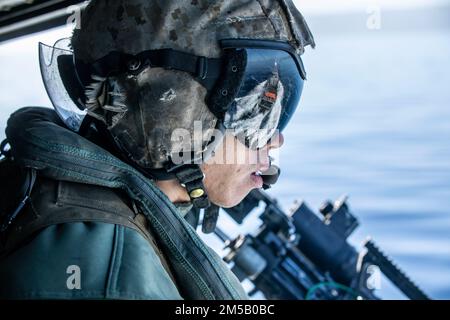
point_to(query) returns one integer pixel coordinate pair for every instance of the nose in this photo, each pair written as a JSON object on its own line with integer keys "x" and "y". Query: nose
{"x": 276, "y": 141}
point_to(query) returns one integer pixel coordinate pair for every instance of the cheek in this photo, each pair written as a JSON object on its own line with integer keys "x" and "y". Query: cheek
{"x": 218, "y": 177}
{"x": 252, "y": 157}
{"x": 226, "y": 185}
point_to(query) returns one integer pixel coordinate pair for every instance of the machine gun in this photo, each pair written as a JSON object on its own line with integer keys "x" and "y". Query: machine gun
{"x": 300, "y": 256}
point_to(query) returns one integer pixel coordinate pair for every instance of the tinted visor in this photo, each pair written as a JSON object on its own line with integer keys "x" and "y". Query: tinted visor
{"x": 268, "y": 96}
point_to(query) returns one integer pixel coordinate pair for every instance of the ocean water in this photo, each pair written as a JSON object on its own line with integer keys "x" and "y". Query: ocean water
{"x": 374, "y": 123}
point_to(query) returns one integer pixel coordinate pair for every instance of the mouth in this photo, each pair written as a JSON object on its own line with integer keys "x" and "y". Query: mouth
{"x": 257, "y": 179}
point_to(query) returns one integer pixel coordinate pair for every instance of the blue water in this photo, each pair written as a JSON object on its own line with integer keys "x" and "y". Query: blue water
{"x": 374, "y": 124}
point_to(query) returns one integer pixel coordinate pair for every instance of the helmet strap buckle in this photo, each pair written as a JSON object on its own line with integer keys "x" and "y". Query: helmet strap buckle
{"x": 191, "y": 177}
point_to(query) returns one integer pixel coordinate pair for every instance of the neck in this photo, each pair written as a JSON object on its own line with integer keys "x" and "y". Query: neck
{"x": 173, "y": 190}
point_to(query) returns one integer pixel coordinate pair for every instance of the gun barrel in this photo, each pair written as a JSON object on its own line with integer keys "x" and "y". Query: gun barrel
{"x": 393, "y": 273}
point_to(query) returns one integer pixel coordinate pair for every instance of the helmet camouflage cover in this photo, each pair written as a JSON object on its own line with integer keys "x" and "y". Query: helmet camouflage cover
{"x": 142, "y": 110}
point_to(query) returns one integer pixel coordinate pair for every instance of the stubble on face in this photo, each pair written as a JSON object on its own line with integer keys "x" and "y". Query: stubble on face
{"x": 228, "y": 173}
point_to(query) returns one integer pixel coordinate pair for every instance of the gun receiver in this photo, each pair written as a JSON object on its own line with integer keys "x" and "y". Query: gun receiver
{"x": 301, "y": 256}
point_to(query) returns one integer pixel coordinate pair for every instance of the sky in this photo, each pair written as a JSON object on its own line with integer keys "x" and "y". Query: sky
{"x": 344, "y": 6}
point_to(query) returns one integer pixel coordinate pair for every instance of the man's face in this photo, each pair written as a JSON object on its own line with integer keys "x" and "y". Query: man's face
{"x": 230, "y": 174}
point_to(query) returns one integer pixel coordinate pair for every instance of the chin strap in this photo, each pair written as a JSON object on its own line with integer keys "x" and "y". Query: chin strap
{"x": 191, "y": 177}
{"x": 210, "y": 216}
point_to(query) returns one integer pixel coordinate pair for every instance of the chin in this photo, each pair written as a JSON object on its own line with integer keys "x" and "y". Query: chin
{"x": 231, "y": 200}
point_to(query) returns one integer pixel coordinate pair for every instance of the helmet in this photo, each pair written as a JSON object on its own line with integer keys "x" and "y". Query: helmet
{"x": 148, "y": 68}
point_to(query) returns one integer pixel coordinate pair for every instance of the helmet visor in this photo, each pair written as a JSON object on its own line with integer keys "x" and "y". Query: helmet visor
{"x": 268, "y": 96}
